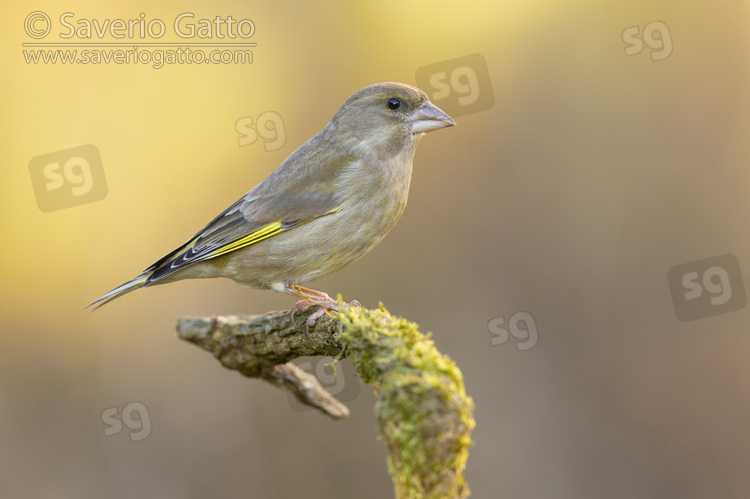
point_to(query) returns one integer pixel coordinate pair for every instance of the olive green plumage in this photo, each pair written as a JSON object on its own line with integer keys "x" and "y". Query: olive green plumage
{"x": 323, "y": 207}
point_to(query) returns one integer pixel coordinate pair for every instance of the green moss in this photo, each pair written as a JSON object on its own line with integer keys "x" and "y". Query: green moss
{"x": 423, "y": 412}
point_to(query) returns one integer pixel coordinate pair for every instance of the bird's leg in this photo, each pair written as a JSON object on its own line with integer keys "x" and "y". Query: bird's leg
{"x": 309, "y": 297}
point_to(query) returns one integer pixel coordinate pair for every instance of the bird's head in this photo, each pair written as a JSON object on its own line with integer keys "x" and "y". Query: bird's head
{"x": 387, "y": 117}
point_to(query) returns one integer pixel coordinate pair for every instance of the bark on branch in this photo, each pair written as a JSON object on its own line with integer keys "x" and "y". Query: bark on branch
{"x": 423, "y": 412}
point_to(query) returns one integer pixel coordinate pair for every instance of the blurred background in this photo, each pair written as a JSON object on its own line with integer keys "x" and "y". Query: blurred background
{"x": 578, "y": 244}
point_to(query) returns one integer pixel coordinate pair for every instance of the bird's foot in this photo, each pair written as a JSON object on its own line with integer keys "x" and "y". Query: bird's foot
{"x": 311, "y": 297}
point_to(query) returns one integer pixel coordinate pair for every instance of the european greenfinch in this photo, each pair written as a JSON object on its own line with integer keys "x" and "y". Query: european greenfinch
{"x": 325, "y": 206}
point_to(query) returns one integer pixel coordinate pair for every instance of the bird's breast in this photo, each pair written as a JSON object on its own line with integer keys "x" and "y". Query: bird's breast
{"x": 372, "y": 198}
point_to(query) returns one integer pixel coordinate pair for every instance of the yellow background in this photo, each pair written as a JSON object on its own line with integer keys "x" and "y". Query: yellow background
{"x": 591, "y": 176}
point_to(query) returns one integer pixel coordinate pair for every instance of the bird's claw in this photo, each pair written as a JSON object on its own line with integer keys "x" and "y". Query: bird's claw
{"x": 312, "y": 319}
{"x": 300, "y": 306}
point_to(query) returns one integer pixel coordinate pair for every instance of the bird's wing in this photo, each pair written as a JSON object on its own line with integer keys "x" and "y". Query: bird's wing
{"x": 261, "y": 213}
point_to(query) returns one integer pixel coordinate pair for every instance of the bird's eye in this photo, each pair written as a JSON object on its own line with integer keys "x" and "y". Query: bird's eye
{"x": 394, "y": 103}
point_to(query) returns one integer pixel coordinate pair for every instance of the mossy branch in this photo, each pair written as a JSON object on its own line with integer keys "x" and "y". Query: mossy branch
{"x": 423, "y": 412}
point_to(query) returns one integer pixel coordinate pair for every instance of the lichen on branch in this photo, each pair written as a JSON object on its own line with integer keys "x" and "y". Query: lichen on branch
{"x": 423, "y": 413}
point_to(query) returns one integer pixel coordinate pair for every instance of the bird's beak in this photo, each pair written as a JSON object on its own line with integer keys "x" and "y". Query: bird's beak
{"x": 428, "y": 117}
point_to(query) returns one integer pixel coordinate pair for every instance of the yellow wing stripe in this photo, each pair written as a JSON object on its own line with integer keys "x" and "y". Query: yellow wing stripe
{"x": 264, "y": 232}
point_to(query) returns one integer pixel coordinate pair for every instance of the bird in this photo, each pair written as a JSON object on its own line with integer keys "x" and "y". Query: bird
{"x": 326, "y": 205}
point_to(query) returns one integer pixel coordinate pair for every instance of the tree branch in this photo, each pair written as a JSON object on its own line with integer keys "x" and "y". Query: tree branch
{"x": 423, "y": 412}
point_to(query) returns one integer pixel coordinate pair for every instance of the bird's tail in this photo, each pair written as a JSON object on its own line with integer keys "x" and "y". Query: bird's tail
{"x": 120, "y": 290}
